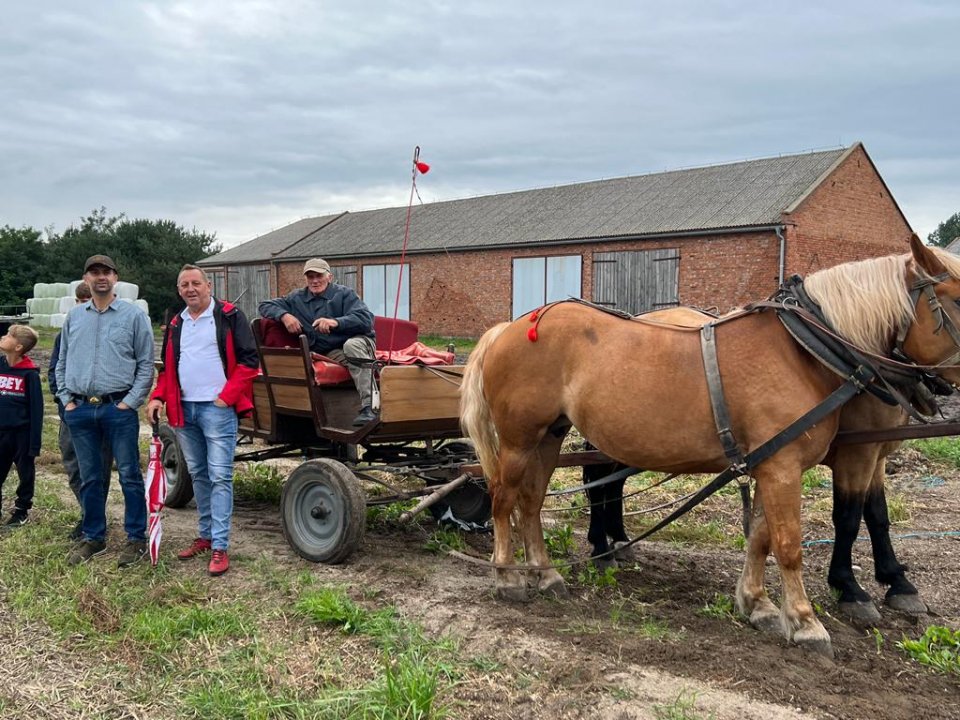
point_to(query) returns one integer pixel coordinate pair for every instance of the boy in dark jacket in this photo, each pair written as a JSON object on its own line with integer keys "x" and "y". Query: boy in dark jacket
{"x": 21, "y": 416}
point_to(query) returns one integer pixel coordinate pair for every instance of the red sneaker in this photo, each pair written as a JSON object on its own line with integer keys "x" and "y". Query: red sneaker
{"x": 219, "y": 563}
{"x": 199, "y": 546}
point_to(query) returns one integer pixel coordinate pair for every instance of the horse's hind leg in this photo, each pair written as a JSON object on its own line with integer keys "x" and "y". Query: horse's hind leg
{"x": 853, "y": 467}
{"x": 902, "y": 595}
{"x": 532, "y": 492}
{"x": 752, "y": 599}
{"x": 504, "y": 490}
{"x": 779, "y": 487}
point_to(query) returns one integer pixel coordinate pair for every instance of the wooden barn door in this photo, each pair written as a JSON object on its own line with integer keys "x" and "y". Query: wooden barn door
{"x": 637, "y": 281}
{"x": 248, "y": 286}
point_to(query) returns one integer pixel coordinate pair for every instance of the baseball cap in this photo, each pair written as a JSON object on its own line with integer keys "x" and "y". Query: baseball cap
{"x": 104, "y": 260}
{"x": 316, "y": 265}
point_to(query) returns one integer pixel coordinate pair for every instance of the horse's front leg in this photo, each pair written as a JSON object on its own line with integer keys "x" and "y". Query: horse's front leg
{"x": 752, "y": 598}
{"x": 779, "y": 487}
{"x": 853, "y": 467}
{"x": 902, "y": 594}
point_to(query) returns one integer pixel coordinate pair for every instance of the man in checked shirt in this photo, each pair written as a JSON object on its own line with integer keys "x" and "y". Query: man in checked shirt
{"x": 104, "y": 372}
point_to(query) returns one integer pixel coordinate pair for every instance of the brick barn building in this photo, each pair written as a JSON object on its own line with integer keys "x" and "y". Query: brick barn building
{"x": 714, "y": 236}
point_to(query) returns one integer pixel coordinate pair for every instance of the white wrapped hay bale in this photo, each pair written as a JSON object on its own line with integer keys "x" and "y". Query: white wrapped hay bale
{"x": 126, "y": 291}
{"x": 43, "y": 305}
{"x": 142, "y": 304}
{"x": 73, "y": 287}
{"x": 66, "y": 304}
{"x": 58, "y": 289}
{"x": 30, "y": 302}
{"x": 56, "y": 320}
{"x": 40, "y": 290}
{"x": 40, "y": 319}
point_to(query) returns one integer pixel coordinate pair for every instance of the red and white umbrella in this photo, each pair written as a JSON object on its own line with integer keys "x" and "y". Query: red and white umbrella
{"x": 156, "y": 491}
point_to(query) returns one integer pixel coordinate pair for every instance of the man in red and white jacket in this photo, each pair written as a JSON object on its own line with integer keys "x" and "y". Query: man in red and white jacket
{"x": 209, "y": 361}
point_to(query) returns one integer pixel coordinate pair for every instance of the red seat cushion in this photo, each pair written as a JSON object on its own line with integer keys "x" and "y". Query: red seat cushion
{"x": 327, "y": 371}
{"x": 274, "y": 334}
{"x": 403, "y": 333}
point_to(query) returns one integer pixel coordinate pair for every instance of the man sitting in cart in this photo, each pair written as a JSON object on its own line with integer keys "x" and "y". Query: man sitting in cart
{"x": 337, "y": 324}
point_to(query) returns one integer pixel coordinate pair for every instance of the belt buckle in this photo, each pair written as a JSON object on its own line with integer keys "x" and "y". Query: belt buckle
{"x": 95, "y": 400}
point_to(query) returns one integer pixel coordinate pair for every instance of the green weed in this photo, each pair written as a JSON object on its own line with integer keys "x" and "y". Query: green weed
{"x": 680, "y": 709}
{"x": 590, "y": 576}
{"x": 814, "y": 478}
{"x": 946, "y": 449}
{"x": 443, "y": 539}
{"x": 938, "y": 648}
{"x": 720, "y": 607}
{"x": 258, "y": 481}
{"x": 559, "y": 540}
{"x": 898, "y": 508}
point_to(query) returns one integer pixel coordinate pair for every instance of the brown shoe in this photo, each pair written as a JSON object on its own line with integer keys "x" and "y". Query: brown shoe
{"x": 199, "y": 547}
{"x": 133, "y": 552}
{"x": 219, "y": 563}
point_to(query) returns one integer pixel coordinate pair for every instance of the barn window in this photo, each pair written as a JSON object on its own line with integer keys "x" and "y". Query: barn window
{"x": 380, "y": 290}
{"x": 540, "y": 280}
{"x": 218, "y": 279}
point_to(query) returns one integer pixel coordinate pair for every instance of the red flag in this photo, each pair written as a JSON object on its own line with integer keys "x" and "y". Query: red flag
{"x": 156, "y": 491}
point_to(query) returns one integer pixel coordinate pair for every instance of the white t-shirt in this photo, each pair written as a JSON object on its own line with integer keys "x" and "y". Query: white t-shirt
{"x": 201, "y": 369}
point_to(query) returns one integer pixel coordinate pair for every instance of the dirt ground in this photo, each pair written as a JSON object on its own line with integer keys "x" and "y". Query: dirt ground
{"x": 588, "y": 665}
{"x": 586, "y": 657}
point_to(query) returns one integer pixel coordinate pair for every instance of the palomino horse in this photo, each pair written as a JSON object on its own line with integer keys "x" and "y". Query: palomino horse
{"x": 638, "y": 393}
{"x": 858, "y": 475}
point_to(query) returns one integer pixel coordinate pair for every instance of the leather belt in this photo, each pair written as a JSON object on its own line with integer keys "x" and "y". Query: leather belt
{"x": 101, "y": 399}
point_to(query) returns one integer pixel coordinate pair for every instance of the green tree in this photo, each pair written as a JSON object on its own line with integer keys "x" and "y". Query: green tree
{"x": 148, "y": 253}
{"x": 22, "y": 263}
{"x": 946, "y": 232}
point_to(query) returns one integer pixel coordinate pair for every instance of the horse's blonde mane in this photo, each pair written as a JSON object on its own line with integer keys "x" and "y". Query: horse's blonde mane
{"x": 867, "y": 302}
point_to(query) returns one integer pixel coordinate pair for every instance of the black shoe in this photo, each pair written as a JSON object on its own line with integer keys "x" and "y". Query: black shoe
{"x": 133, "y": 552}
{"x": 85, "y": 551}
{"x": 77, "y": 531}
{"x": 366, "y": 415}
{"x": 17, "y": 519}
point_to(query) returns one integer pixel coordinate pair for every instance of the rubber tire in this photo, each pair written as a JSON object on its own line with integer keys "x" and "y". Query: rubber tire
{"x": 328, "y": 484}
{"x": 470, "y": 502}
{"x": 179, "y": 482}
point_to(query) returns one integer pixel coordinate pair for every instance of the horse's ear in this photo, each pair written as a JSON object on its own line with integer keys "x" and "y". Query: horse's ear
{"x": 925, "y": 257}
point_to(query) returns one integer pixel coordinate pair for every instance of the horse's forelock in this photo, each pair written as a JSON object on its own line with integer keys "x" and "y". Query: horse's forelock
{"x": 867, "y": 301}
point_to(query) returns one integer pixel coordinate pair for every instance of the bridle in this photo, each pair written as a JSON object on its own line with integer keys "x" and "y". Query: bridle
{"x": 926, "y": 286}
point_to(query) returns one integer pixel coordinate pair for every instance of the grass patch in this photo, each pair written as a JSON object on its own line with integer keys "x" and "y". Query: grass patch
{"x": 258, "y": 481}
{"x": 945, "y": 450}
{"x": 938, "y": 648}
{"x": 721, "y": 607}
{"x": 461, "y": 346}
{"x": 683, "y": 708}
{"x": 444, "y": 539}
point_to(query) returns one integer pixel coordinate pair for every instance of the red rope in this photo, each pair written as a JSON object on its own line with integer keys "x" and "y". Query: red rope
{"x": 403, "y": 251}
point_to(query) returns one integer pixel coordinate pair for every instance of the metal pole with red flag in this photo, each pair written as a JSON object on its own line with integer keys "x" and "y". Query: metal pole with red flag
{"x": 156, "y": 491}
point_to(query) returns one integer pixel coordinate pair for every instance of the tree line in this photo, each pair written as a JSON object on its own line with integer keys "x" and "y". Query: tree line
{"x": 148, "y": 253}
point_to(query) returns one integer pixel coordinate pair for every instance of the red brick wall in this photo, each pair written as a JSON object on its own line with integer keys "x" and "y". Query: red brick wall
{"x": 851, "y": 216}
{"x": 464, "y": 293}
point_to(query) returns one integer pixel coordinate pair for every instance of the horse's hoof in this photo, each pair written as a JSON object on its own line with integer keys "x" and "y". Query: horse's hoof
{"x": 909, "y": 604}
{"x": 623, "y": 551}
{"x": 819, "y": 645}
{"x": 766, "y": 621}
{"x": 554, "y": 587}
{"x": 864, "y": 613}
{"x": 513, "y": 593}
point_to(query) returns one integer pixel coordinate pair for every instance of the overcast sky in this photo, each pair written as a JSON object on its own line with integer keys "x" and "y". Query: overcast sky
{"x": 237, "y": 117}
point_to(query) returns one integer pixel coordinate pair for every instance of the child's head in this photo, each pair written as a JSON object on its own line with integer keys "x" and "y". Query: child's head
{"x": 24, "y": 339}
{"x": 83, "y": 292}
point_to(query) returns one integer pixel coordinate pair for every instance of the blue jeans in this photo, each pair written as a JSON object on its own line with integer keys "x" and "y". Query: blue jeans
{"x": 89, "y": 424}
{"x": 208, "y": 440}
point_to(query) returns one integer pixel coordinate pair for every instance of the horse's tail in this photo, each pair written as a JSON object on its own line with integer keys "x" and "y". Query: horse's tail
{"x": 474, "y": 410}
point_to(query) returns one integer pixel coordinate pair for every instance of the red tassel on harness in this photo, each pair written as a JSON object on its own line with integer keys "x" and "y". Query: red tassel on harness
{"x": 532, "y": 334}
{"x": 534, "y": 315}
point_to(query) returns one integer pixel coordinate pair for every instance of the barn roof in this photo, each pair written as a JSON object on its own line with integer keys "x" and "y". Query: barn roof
{"x": 752, "y": 193}
{"x": 264, "y": 247}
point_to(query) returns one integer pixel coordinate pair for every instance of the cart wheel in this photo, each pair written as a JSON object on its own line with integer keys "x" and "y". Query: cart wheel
{"x": 469, "y": 503}
{"x": 179, "y": 482}
{"x": 323, "y": 511}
